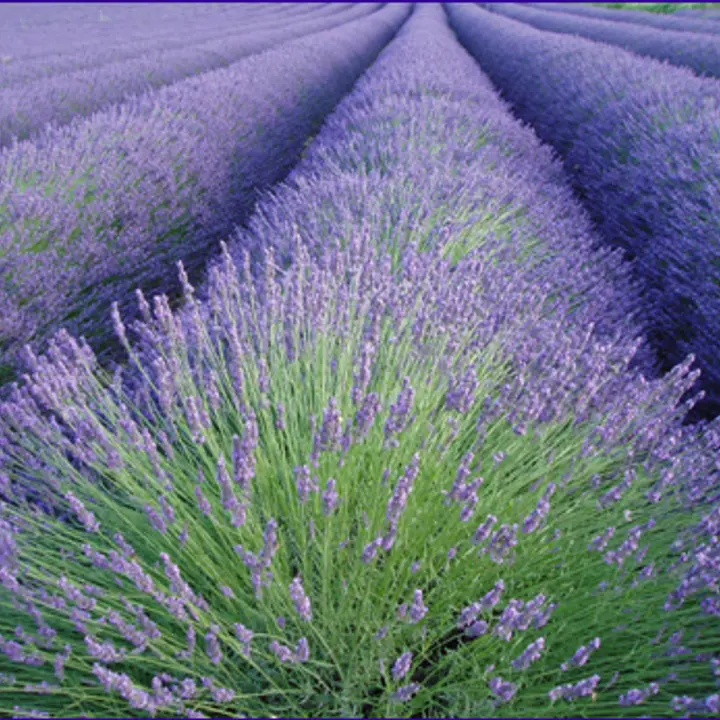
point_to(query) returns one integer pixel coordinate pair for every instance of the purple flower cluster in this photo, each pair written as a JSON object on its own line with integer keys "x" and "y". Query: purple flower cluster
{"x": 259, "y": 564}
{"x": 615, "y": 119}
{"x": 301, "y": 654}
{"x": 570, "y": 691}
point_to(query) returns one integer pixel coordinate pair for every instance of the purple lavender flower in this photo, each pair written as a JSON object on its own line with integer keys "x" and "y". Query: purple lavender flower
{"x": 302, "y": 651}
{"x": 284, "y": 653}
{"x": 400, "y": 413}
{"x": 85, "y": 516}
{"x": 637, "y": 697}
{"x": 582, "y": 655}
{"x": 418, "y": 609}
{"x": 405, "y": 693}
{"x": 300, "y": 599}
{"x": 305, "y": 484}
{"x": 330, "y": 497}
{"x": 531, "y": 654}
{"x": 583, "y": 688}
{"x": 502, "y": 689}
{"x": 245, "y": 636}
{"x": 402, "y": 666}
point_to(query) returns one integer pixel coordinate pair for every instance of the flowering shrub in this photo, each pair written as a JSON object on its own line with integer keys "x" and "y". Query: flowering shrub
{"x": 699, "y": 52}
{"x": 91, "y": 211}
{"x": 378, "y": 474}
{"x": 640, "y": 142}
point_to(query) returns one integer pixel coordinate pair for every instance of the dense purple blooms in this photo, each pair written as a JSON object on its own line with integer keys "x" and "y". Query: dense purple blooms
{"x": 673, "y": 21}
{"x": 699, "y": 52}
{"x": 616, "y": 118}
{"x": 61, "y": 97}
{"x": 117, "y": 198}
{"x": 424, "y": 221}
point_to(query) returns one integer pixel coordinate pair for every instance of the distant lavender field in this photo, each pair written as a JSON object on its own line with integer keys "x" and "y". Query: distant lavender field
{"x": 359, "y": 361}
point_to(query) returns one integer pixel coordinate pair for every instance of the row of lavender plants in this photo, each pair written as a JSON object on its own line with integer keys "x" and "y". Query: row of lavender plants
{"x": 381, "y": 464}
{"x": 641, "y": 143}
{"x": 34, "y": 30}
{"x": 92, "y": 210}
{"x": 660, "y": 22}
{"x": 160, "y": 33}
{"x": 700, "y": 53}
{"x": 28, "y": 108}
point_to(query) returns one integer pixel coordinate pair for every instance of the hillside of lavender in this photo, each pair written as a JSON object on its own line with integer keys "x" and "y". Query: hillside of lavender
{"x": 359, "y": 360}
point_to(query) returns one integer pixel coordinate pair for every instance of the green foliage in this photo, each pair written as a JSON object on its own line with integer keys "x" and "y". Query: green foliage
{"x": 665, "y": 8}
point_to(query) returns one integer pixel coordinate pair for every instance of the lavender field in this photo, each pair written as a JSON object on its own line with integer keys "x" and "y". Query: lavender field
{"x": 358, "y": 360}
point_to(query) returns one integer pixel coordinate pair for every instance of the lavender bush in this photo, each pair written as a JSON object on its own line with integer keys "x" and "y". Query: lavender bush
{"x": 650, "y": 20}
{"x": 699, "y": 52}
{"x": 28, "y": 108}
{"x": 100, "y": 207}
{"x": 640, "y": 142}
{"x": 383, "y": 475}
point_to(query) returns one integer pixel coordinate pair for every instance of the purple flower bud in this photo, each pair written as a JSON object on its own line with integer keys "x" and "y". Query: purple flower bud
{"x": 304, "y": 483}
{"x": 245, "y": 636}
{"x": 478, "y": 628}
{"x": 85, "y": 516}
{"x": 503, "y": 690}
{"x": 582, "y": 655}
{"x": 483, "y": 532}
{"x": 530, "y": 655}
{"x": 330, "y": 497}
{"x": 300, "y": 599}
{"x": 284, "y": 653}
{"x": 405, "y": 693}
{"x": 212, "y": 645}
{"x": 302, "y": 650}
{"x": 402, "y": 666}
{"x": 418, "y": 609}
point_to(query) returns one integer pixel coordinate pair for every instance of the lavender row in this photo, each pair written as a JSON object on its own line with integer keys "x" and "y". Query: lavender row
{"x": 14, "y": 71}
{"x": 27, "y": 109}
{"x": 100, "y": 207}
{"x": 381, "y": 158}
{"x": 700, "y": 53}
{"x": 338, "y": 467}
{"x": 37, "y": 30}
{"x": 640, "y": 142}
{"x": 647, "y": 19}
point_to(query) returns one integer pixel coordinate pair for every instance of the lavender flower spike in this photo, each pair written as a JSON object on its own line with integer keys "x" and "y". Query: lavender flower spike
{"x": 300, "y": 599}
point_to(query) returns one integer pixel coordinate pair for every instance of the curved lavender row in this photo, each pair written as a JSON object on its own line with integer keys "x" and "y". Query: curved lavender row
{"x": 95, "y": 209}
{"x": 80, "y": 28}
{"x": 700, "y": 53}
{"x": 382, "y": 155}
{"x": 27, "y": 109}
{"x": 640, "y": 141}
{"x": 661, "y": 22}
{"x": 304, "y": 489}
{"x": 13, "y": 73}
{"x": 705, "y": 14}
